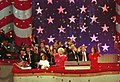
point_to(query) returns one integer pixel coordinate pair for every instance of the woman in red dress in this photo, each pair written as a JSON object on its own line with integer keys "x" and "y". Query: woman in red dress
{"x": 60, "y": 57}
{"x": 93, "y": 56}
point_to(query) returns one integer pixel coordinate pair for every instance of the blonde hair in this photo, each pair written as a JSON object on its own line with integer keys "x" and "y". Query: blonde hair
{"x": 61, "y": 49}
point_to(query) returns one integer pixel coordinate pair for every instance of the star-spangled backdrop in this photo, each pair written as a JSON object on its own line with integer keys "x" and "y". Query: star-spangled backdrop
{"x": 86, "y": 21}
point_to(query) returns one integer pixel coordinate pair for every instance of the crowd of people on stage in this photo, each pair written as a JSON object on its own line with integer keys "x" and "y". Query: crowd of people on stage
{"x": 43, "y": 55}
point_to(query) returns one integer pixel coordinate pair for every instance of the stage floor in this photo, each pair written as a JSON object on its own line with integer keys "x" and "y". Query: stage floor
{"x": 104, "y": 73}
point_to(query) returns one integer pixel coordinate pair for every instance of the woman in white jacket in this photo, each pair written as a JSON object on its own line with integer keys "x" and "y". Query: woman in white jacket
{"x": 43, "y": 63}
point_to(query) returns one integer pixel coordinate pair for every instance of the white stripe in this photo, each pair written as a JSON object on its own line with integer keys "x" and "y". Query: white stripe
{"x": 7, "y": 28}
{"x": 118, "y": 28}
{"x": 23, "y": 33}
{"x": 22, "y": 14}
{"x": 5, "y": 12}
{"x": 118, "y": 8}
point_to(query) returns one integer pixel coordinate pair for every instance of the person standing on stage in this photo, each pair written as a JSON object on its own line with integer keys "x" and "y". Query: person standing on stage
{"x": 43, "y": 63}
{"x": 56, "y": 45}
{"x": 30, "y": 57}
{"x": 4, "y": 51}
{"x": 60, "y": 57}
{"x": 43, "y": 50}
{"x": 93, "y": 56}
{"x": 83, "y": 54}
{"x": 72, "y": 54}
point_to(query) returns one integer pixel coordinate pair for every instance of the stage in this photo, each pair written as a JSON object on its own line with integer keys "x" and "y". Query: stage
{"x": 105, "y": 73}
{"x": 29, "y": 27}
{"x": 108, "y": 71}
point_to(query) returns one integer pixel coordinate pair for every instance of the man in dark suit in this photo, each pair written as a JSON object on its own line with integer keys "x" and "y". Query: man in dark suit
{"x": 83, "y": 54}
{"x": 30, "y": 57}
{"x": 44, "y": 50}
{"x": 72, "y": 54}
{"x": 4, "y": 52}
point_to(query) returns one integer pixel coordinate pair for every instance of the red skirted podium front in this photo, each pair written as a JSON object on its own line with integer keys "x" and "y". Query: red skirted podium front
{"x": 108, "y": 72}
{"x": 53, "y": 69}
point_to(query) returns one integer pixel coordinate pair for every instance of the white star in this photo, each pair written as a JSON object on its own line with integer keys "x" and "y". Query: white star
{"x": 105, "y": 8}
{"x": 71, "y": 1}
{"x": 114, "y": 18}
{"x": 113, "y": 38}
{"x": 94, "y": 38}
{"x": 49, "y": 1}
{"x": 51, "y": 39}
{"x": 61, "y": 10}
{"x": 39, "y": 10}
{"x": 94, "y": 1}
{"x": 83, "y": 45}
{"x": 40, "y": 30}
{"x": 50, "y": 20}
{"x": 105, "y": 28}
{"x": 83, "y": 9}
{"x": 94, "y": 19}
{"x": 83, "y": 29}
{"x": 105, "y": 47}
{"x": 72, "y": 19}
{"x": 61, "y": 29}
{"x": 72, "y": 38}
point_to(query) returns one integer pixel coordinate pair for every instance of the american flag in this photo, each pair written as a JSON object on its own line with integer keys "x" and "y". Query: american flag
{"x": 16, "y": 16}
{"x": 85, "y": 21}
{"x": 118, "y": 20}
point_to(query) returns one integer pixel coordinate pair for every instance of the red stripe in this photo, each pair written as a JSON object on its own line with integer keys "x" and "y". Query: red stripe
{"x": 23, "y": 24}
{"x": 118, "y": 18}
{"x": 6, "y": 20}
{"x": 117, "y": 36}
{"x": 19, "y": 40}
{"x": 118, "y": 2}
{"x": 8, "y": 34}
{"x": 4, "y": 4}
{"x": 22, "y": 5}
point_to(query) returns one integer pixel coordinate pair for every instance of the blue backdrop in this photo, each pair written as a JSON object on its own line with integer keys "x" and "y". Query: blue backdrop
{"x": 86, "y": 21}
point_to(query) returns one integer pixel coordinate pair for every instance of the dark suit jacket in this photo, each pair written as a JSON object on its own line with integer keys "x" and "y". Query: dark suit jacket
{"x": 34, "y": 58}
{"x": 81, "y": 56}
{"x": 3, "y": 52}
{"x": 72, "y": 56}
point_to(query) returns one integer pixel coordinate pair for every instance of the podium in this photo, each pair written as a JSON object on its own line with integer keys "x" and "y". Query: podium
{"x": 77, "y": 65}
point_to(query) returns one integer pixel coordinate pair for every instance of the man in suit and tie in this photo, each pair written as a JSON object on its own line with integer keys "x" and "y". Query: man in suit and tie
{"x": 72, "y": 53}
{"x": 30, "y": 57}
{"x": 83, "y": 54}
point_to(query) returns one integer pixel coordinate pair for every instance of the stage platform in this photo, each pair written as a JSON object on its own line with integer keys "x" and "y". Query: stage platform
{"x": 108, "y": 71}
{"x": 104, "y": 73}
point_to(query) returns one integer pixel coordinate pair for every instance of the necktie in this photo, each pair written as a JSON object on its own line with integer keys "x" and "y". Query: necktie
{"x": 83, "y": 56}
{"x": 29, "y": 59}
